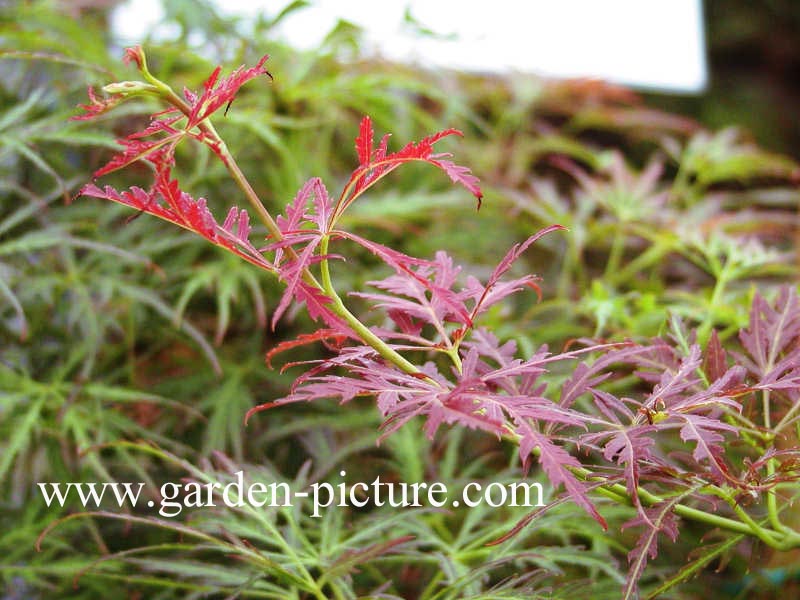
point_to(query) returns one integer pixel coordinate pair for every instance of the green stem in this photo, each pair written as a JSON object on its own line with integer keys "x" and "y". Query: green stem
{"x": 617, "y": 492}
{"x": 746, "y": 525}
{"x": 452, "y": 352}
{"x": 227, "y": 159}
{"x": 338, "y": 307}
{"x": 787, "y": 419}
{"x": 681, "y": 187}
{"x": 772, "y": 501}
{"x": 243, "y": 183}
{"x": 615, "y": 254}
{"x": 716, "y": 297}
{"x": 782, "y": 539}
{"x": 570, "y": 271}
{"x": 646, "y": 259}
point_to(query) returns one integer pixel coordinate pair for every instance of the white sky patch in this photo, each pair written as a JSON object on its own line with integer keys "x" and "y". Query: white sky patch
{"x": 648, "y": 44}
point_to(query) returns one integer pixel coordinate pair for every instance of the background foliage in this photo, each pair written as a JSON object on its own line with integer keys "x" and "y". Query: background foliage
{"x": 131, "y": 352}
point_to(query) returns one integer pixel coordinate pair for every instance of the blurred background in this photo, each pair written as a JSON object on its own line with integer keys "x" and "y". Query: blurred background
{"x": 573, "y": 38}
{"x": 720, "y": 61}
{"x": 131, "y": 351}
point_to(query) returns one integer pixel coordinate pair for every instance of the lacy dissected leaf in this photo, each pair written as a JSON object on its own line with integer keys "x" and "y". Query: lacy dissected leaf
{"x": 715, "y": 363}
{"x": 364, "y": 141}
{"x": 627, "y": 445}
{"x": 399, "y": 261}
{"x": 499, "y": 364}
{"x": 318, "y": 305}
{"x": 522, "y": 396}
{"x": 422, "y": 292}
{"x": 489, "y": 348}
{"x": 495, "y": 290}
{"x": 699, "y": 419}
{"x": 721, "y": 393}
{"x": 586, "y": 377}
{"x": 167, "y": 201}
{"x": 680, "y": 399}
{"x": 492, "y": 392}
{"x": 330, "y": 338}
{"x": 530, "y": 415}
{"x": 96, "y": 106}
{"x": 159, "y": 151}
{"x": 556, "y": 463}
{"x": 772, "y": 342}
{"x": 624, "y": 439}
{"x": 218, "y": 93}
{"x": 376, "y": 162}
{"x": 775, "y": 466}
{"x": 293, "y": 223}
{"x": 400, "y": 396}
{"x": 303, "y": 228}
{"x": 771, "y": 339}
{"x": 656, "y": 520}
{"x": 705, "y": 432}
{"x": 674, "y": 383}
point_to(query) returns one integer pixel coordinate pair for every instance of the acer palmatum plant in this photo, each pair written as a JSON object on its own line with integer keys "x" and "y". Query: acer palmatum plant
{"x": 677, "y": 430}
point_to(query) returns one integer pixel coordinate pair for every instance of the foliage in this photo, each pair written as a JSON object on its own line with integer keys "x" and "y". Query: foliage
{"x": 667, "y": 412}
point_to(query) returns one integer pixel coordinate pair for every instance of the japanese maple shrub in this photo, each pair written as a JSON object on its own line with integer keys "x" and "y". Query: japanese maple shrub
{"x": 429, "y": 356}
